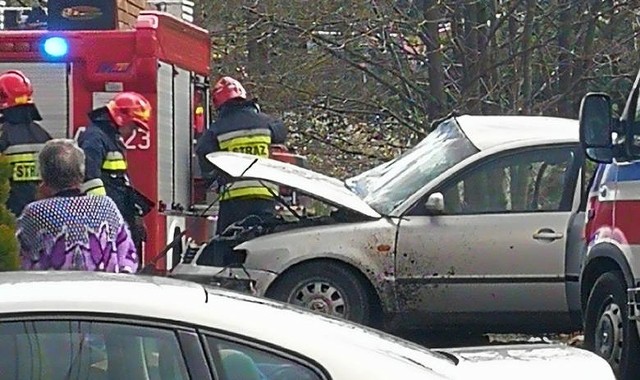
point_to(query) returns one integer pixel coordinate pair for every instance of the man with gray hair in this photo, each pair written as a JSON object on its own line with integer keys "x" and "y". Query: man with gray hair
{"x": 70, "y": 230}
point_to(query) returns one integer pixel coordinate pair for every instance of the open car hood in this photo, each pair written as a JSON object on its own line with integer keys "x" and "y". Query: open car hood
{"x": 328, "y": 189}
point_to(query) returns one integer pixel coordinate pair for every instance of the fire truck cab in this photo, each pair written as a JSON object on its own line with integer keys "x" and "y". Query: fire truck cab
{"x": 610, "y": 274}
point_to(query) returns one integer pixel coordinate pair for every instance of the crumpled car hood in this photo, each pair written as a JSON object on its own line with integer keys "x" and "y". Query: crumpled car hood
{"x": 328, "y": 189}
{"x": 529, "y": 361}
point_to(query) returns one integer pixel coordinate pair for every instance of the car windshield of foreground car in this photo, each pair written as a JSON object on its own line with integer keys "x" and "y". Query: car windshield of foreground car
{"x": 442, "y": 149}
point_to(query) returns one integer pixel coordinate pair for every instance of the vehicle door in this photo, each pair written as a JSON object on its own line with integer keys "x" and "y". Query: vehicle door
{"x": 498, "y": 246}
{"x": 576, "y": 242}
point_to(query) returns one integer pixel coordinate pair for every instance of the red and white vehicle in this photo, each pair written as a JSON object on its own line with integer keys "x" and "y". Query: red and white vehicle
{"x": 610, "y": 275}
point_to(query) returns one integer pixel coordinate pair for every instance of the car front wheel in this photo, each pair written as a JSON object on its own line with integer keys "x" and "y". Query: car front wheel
{"x": 325, "y": 287}
{"x": 608, "y": 330}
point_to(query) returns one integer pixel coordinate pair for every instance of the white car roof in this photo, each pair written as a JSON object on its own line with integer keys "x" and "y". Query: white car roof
{"x": 184, "y": 302}
{"x": 490, "y": 131}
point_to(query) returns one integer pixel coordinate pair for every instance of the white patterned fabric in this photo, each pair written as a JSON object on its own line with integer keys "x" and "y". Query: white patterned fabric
{"x": 75, "y": 233}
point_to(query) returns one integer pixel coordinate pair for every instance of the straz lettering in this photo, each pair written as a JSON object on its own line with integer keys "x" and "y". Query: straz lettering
{"x": 26, "y": 171}
{"x": 256, "y": 150}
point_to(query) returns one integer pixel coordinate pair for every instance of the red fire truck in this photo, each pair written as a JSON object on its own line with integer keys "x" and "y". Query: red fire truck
{"x": 166, "y": 60}
{"x": 163, "y": 58}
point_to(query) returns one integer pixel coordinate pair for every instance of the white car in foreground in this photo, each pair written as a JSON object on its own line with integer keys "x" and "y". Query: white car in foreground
{"x": 74, "y": 325}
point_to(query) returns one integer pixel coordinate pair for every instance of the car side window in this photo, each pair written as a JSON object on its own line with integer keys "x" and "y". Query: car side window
{"x": 530, "y": 181}
{"x": 71, "y": 349}
{"x": 238, "y": 361}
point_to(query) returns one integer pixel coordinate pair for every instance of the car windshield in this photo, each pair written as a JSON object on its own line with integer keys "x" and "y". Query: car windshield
{"x": 393, "y": 183}
{"x": 363, "y": 183}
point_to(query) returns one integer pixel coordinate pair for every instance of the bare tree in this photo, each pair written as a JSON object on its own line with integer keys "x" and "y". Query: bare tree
{"x": 360, "y": 81}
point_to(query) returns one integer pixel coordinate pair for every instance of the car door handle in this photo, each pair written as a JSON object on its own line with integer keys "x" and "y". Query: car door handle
{"x": 547, "y": 234}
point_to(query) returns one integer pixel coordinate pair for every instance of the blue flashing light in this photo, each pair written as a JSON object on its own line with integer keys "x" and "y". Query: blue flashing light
{"x": 56, "y": 47}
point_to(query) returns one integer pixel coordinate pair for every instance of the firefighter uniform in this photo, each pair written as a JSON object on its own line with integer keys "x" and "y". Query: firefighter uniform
{"x": 106, "y": 165}
{"x": 242, "y": 128}
{"x": 106, "y": 171}
{"x": 21, "y": 139}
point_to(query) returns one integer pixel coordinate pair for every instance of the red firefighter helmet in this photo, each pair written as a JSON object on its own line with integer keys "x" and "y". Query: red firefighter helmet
{"x": 226, "y": 89}
{"x": 127, "y": 107}
{"x": 15, "y": 89}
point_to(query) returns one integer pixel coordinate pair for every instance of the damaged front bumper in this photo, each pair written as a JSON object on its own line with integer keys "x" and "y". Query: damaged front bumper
{"x": 250, "y": 281}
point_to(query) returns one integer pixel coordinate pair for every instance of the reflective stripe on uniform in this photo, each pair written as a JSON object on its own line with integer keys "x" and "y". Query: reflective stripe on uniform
{"x": 115, "y": 156}
{"x": 246, "y": 192}
{"x": 114, "y": 161}
{"x": 24, "y": 161}
{"x": 94, "y": 187}
{"x": 24, "y": 148}
{"x": 22, "y": 157}
{"x": 244, "y": 133}
{"x": 256, "y": 142}
{"x": 114, "y": 165}
{"x": 248, "y": 188}
{"x": 100, "y": 191}
{"x": 248, "y": 141}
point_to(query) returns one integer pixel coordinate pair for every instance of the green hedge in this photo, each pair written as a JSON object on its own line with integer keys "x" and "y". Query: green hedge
{"x": 9, "y": 248}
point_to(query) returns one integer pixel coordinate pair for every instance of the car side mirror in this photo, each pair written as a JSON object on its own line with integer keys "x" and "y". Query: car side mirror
{"x": 596, "y": 127}
{"x": 435, "y": 203}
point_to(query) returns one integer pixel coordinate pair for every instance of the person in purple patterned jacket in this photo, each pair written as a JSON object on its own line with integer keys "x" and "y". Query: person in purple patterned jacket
{"x": 69, "y": 230}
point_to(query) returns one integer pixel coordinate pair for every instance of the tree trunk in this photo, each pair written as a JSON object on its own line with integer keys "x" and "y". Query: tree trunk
{"x": 512, "y": 49}
{"x": 586, "y": 56}
{"x": 526, "y": 98}
{"x": 257, "y": 47}
{"x": 471, "y": 48}
{"x": 432, "y": 18}
{"x": 566, "y": 13}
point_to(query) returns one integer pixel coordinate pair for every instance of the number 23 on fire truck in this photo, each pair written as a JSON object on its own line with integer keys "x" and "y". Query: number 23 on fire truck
{"x": 139, "y": 140}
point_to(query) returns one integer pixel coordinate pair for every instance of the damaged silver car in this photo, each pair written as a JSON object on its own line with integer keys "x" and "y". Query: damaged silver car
{"x": 477, "y": 227}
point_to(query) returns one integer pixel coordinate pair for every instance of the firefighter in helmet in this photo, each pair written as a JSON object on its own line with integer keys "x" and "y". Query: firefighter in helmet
{"x": 21, "y": 138}
{"x": 240, "y": 127}
{"x": 106, "y": 163}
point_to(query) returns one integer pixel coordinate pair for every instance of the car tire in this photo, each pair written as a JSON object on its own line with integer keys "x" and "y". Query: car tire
{"x": 324, "y": 287}
{"x": 607, "y": 329}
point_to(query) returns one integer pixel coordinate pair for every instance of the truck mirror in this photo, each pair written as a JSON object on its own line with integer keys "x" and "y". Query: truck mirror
{"x": 596, "y": 127}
